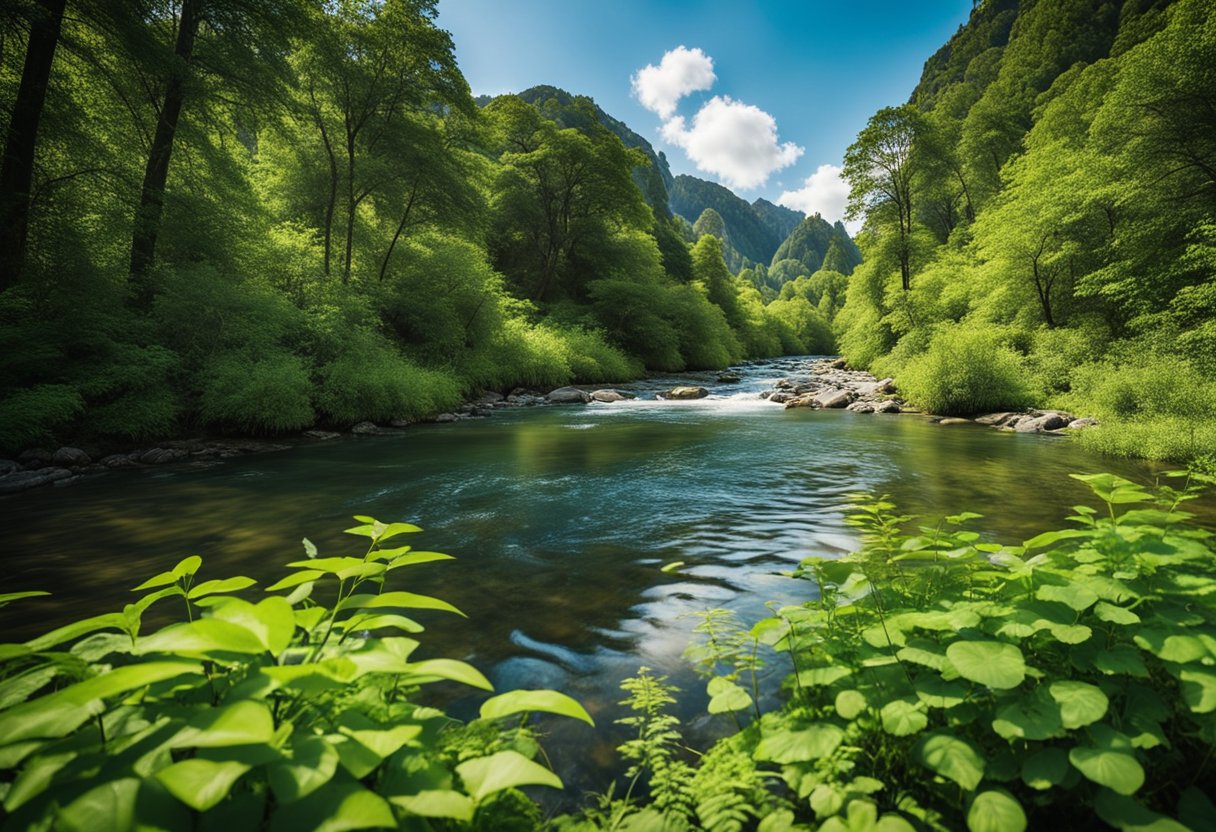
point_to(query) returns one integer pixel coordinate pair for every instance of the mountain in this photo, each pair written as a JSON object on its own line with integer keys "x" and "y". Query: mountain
{"x": 816, "y": 244}
{"x": 777, "y": 218}
{"x": 749, "y": 235}
{"x": 574, "y": 110}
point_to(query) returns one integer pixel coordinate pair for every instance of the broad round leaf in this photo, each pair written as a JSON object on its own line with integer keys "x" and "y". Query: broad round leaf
{"x": 1045, "y": 768}
{"x": 1080, "y": 703}
{"x": 437, "y": 803}
{"x": 850, "y": 703}
{"x": 1116, "y": 770}
{"x": 726, "y": 696}
{"x": 995, "y": 811}
{"x": 200, "y": 784}
{"x": 993, "y": 663}
{"x": 952, "y": 758}
{"x": 242, "y": 723}
{"x": 798, "y": 746}
{"x": 902, "y": 718}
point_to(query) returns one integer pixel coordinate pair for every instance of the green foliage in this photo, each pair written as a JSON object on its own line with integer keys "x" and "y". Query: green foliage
{"x": 256, "y": 394}
{"x": 289, "y": 712}
{"x": 965, "y": 371}
{"x": 33, "y": 415}
{"x": 370, "y": 380}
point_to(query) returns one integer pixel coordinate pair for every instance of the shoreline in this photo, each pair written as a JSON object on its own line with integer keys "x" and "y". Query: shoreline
{"x": 828, "y": 383}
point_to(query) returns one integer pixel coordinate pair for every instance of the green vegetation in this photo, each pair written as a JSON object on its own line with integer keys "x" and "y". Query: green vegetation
{"x": 1050, "y": 185}
{"x": 253, "y": 217}
{"x": 937, "y": 681}
{"x": 283, "y": 714}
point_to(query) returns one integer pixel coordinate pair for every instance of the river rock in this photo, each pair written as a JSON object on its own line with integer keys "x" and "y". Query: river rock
{"x": 997, "y": 420}
{"x": 784, "y": 384}
{"x": 366, "y": 429}
{"x": 839, "y": 364}
{"x": 444, "y": 418}
{"x": 22, "y": 480}
{"x": 568, "y": 395}
{"x": 34, "y": 458}
{"x": 729, "y": 378}
{"x": 861, "y": 407}
{"x": 686, "y": 392}
{"x": 71, "y": 458}
{"x": 118, "y": 461}
{"x": 160, "y": 456}
{"x": 490, "y": 397}
{"x": 1038, "y": 424}
{"x": 607, "y": 396}
{"x": 832, "y": 397}
{"x": 8, "y": 466}
{"x": 876, "y": 388}
{"x": 782, "y": 396}
{"x": 953, "y": 420}
{"x": 1085, "y": 422}
{"x": 887, "y": 406}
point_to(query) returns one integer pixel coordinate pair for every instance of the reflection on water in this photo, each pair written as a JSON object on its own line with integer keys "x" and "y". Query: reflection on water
{"x": 560, "y": 518}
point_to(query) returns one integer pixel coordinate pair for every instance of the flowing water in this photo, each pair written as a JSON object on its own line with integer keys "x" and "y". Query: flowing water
{"x": 560, "y": 518}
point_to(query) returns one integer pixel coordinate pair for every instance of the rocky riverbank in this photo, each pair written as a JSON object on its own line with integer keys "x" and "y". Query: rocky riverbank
{"x": 811, "y": 383}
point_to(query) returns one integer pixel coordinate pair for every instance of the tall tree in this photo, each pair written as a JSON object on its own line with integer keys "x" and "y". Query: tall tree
{"x": 880, "y": 167}
{"x": 17, "y": 167}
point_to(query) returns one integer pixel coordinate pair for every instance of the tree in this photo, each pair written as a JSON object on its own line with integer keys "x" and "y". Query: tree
{"x": 17, "y": 167}
{"x": 880, "y": 167}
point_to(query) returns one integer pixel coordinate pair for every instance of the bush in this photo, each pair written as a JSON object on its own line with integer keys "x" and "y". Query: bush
{"x": 706, "y": 341}
{"x": 1055, "y": 355}
{"x": 263, "y": 394}
{"x": 130, "y": 391}
{"x": 370, "y": 381}
{"x": 592, "y": 359}
{"x": 32, "y": 415}
{"x": 965, "y": 371}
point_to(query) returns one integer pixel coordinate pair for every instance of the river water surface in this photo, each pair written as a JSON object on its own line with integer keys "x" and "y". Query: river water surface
{"x": 560, "y": 518}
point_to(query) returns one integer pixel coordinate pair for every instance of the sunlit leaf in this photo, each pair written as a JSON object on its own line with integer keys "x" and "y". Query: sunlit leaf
{"x": 995, "y": 811}
{"x": 993, "y": 663}
{"x": 810, "y": 743}
{"x": 484, "y": 776}
{"x": 226, "y": 585}
{"x": 1117, "y": 770}
{"x": 437, "y": 803}
{"x": 201, "y": 784}
{"x": 524, "y": 701}
{"x": 953, "y": 758}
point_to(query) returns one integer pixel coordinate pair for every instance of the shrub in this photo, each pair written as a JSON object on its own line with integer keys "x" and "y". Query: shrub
{"x": 34, "y": 414}
{"x": 965, "y": 371}
{"x": 370, "y": 381}
{"x": 706, "y": 341}
{"x": 592, "y": 359}
{"x": 264, "y": 394}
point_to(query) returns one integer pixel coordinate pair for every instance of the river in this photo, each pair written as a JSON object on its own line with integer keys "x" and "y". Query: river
{"x": 560, "y": 518}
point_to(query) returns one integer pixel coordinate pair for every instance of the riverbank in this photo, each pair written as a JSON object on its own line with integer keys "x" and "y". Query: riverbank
{"x": 817, "y": 383}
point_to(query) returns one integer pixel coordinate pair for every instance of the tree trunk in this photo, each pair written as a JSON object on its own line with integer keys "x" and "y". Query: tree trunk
{"x": 405, "y": 218}
{"x": 17, "y": 169}
{"x": 331, "y": 204}
{"x": 351, "y": 205}
{"x": 152, "y": 196}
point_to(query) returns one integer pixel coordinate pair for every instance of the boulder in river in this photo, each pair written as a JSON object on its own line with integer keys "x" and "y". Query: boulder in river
{"x": 1085, "y": 422}
{"x": 686, "y": 392}
{"x": 8, "y": 466}
{"x": 729, "y": 378}
{"x": 862, "y": 407}
{"x": 160, "y": 456}
{"x": 1039, "y": 424}
{"x": 447, "y": 417}
{"x": 887, "y": 406}
{"x": 568, "y": 395}
{"x": 832, "y": 397}
{"x": 22, "y": 480}
{"x": 608, "y": 396}
{"x": 71, "y": 458}
{"x": 953, "y": 420}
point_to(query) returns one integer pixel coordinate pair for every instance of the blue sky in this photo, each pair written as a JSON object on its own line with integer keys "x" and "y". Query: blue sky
{"x": 818, "y": 70}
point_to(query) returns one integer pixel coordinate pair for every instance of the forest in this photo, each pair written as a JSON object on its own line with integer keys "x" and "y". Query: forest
{"x": 251, "y": 218}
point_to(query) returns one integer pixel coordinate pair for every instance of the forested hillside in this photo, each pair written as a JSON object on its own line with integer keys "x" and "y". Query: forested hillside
{"x": 256, "y": 217}
{"x": 1040, "y": 222}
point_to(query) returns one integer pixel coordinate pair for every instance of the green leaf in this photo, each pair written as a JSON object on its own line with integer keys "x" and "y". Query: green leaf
{"x": 408, "y": 600}
{"x": 938, "y": 693}
{"x": 811, "y": 743}
{"x": 204, "y": 637}
{"x": 226, "y": 585}
{"x": 1199, "y": 690}
{"x": 902, "y": 718}
{"x": 850, "y": 704}
{"x": 524, "y": 701}
{"x": 437, "y": 803}
{"x": 484, "y": 776}
{"x": 9, "y": 597}
{"x": 310, "y": 764}
{"x": 1074, "y": 595}
{"x": 1033, "y": 717}
{"x": 726, "y": 696}
{"x": 271, "y": 620}
{"x": 241, "y": 723}
{"x": 68, "y": 632}
{"x": 1044, "y": 769}
{"x": 826, "y": 800}
{"x": 995, "y": 811}
{"x": 1121, "y": 659}
{"x": 382, "y": 622}
{"x": 953, "y": 758}
{"x": 415, "y": 558}
{"x": 1181, "y": 648}
{"x": 201, "y": 784}
{"x": 1115, "y": 614}
{"x": 452, "y": 670}
{"x": 992, "y": 663}
{"x": 1132, "y": 816}
{"x": 823, "y": 676}
{"x": 671, "y": 567}
{"x": 108, "y": 807}
{"x": 1080, "y": 703}
{"x": 295, "y": 579}
{"x": 1116, "y": 770}
{"x": 338, "y": 808}
{"x": 310, "y": 548}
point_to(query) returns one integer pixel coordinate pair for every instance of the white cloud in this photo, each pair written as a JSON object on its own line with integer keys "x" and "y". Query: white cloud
{"x": 681, "y": 71}
{"x": 824, "y": 193}
{"x": 736, "y": 142}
